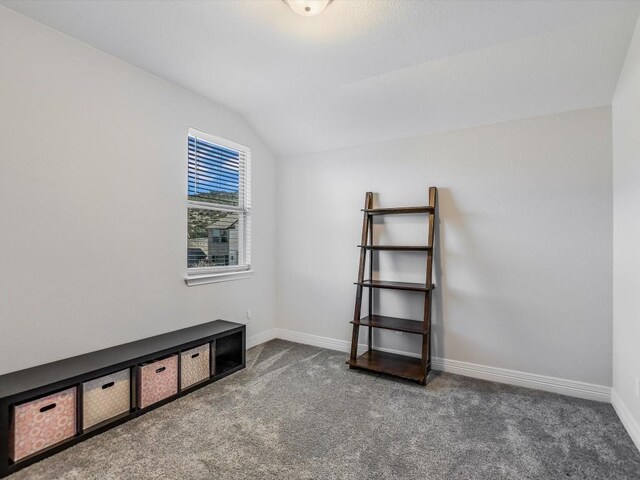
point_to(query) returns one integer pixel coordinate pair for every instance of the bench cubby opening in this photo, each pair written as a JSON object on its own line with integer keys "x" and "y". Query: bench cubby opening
{"x": 229, "y": 353}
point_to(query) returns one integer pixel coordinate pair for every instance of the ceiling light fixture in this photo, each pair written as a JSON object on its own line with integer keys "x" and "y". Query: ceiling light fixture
{"x": 308, "y": 8}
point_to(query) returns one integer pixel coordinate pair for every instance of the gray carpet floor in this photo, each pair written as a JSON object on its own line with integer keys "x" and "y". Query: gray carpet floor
{"x": 297, "y": 412}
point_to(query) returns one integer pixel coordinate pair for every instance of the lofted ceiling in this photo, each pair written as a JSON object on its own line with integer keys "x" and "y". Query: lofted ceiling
{"x": 364, "y": 70}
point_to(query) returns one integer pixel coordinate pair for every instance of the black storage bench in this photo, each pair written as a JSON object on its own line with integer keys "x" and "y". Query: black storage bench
{"x": 48, "y": 408}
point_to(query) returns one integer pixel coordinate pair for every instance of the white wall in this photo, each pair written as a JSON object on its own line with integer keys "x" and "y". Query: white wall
{"x": 92, "y": 216}
{"x": 93, "y": 207}
{"x": 626, "y": 238}
{"x": 524, "y": 269}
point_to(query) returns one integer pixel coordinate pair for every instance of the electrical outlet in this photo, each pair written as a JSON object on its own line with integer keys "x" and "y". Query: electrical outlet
{"x": 638, "y": 387}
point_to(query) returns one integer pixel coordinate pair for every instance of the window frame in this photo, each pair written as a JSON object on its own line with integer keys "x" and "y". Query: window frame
{"x": 202, "y": 275}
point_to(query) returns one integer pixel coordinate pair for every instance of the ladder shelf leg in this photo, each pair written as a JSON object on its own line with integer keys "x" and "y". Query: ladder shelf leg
{"x": 366, "y": 219}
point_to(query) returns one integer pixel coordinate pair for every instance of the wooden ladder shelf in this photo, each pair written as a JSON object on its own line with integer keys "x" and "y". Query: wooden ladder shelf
{"x": 410, "y": 368}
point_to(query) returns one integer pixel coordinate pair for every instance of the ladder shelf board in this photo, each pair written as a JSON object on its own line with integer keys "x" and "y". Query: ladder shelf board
{"x": 399, "y": 248}
{"x": 399, "y": 210}
{"x": 402, "y": 366}
{"x": 413, "y": 287}
{"x": 392, "y": 323}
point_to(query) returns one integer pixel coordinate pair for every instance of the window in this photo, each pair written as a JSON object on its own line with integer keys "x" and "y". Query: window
{"x": 219, "y": 208}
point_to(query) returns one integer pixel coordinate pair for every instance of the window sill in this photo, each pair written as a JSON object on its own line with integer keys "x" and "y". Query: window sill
{"x": 203, "y": 279}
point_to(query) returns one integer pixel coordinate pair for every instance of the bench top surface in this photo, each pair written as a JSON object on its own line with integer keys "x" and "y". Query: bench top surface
{"x": 50, "y": 373}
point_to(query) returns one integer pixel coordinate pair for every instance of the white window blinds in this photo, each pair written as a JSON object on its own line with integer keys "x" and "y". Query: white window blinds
{"x": 219, "y": 205}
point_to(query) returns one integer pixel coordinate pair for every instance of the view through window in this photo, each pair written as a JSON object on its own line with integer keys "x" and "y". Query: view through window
{"x": 218, "y": 214}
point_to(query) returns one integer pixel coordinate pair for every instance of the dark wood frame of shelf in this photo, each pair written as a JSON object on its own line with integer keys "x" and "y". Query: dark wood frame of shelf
{"x": 411, "y": 368}
{"x": 398, "y": 210}
{"x": 391, "y": 323}
{"x": 36, "y": 382}
{"x": 397, "y": 248}
{"x": 385, "y": 284}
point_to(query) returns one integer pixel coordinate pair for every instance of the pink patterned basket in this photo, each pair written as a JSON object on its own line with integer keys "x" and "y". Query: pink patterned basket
{"x": 41, "y": 423}
{"x": 157, "y": 381}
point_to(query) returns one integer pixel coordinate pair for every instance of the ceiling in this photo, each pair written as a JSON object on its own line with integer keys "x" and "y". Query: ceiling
{"x": 365, "y": 70}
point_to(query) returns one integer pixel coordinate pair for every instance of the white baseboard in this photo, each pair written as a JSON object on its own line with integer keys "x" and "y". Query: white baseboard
{"x": 263, "y": 337}
{"x": 562, "y": 386}
{"x": 630, "y": 423}
{"x": 315, "y": 340}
